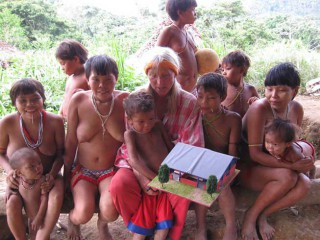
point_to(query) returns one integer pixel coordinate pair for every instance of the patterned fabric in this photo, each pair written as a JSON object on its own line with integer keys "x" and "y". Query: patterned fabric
{"x": 184, "y": 126}
{"x": 79, "y": 172}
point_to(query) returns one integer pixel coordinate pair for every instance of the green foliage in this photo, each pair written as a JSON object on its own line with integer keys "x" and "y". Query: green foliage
{"x": 11, "y": 30}
{"x": 211, "y": 184}
{"x": 164, "y": 174}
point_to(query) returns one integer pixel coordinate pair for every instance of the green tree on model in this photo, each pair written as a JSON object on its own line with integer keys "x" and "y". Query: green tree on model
{"x": 211, "y": 184}
{"x": 164, "y": 173}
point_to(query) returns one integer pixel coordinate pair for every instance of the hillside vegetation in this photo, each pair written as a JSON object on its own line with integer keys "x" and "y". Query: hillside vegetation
{"x": 268, "y": 31}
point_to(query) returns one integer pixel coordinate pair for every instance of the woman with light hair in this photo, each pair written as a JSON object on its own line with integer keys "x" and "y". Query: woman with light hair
{"x": 177, "y": 109}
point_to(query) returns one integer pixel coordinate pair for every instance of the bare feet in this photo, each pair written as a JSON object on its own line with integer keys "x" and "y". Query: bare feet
{"x": 249, "y": 231}
{"x": 265, "y": 229}
{"x": 230, "y": 233}
{"x": 103, "y": 229}
{"x": 201, "y": 234}
{"x": 73, "y": 231}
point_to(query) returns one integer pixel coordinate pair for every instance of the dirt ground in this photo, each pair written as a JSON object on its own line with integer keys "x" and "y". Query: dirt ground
{"x": 304, "y": 220}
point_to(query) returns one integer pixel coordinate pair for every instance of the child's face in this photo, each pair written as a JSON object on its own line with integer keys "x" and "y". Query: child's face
{"x": 29, "y": 104}
{"x": 102, "y": 86}
{"x": 188, "y": 16}
{"x": 209, "y": 101}
{"x": 232, "y": 73}
{"x": 69, "y": 67}
{"x": 32, "y": 169}
{"x": 280, "y": 96}
{"x": 274, "y": 145}
{"x": 142, "y": 122}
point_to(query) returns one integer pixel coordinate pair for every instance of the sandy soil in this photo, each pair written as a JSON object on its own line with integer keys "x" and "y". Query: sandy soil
{"x": 305, "y": 220}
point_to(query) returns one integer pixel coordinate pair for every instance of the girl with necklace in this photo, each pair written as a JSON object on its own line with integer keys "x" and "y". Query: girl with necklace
{"x": 222, "y": 129}
{"x": 282, "y": 184}
{"x": 94, "y": 134}
{"x": 31, "y": 126}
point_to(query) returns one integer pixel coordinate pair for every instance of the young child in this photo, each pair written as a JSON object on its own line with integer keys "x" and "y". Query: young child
{"x": 222, "y": 130}
{"x": 28, "y": 169}
{"x": 145, "y": 137}
{"x": 177, "y": 37}
{"x": 280, "y": 141}
{"x": 239, "y": 94}
{"x": 72, "y": 55}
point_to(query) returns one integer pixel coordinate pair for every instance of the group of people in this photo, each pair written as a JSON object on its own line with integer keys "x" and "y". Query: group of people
{"x": 115, "y": 141}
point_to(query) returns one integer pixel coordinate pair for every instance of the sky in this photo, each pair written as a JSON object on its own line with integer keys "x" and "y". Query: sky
{"x": 127, "y": 7}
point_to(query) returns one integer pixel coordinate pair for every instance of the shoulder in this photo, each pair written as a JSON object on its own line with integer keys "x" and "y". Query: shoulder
{"x": 250, "y": 88}
{"x": 120, "y": 95}
{"x": 232, "y": 115}
{"x": 165, "y": 36}
{"x": 296, "y": 106}
{"x": 54, "y": 118}
{"x": 8, "y": 119}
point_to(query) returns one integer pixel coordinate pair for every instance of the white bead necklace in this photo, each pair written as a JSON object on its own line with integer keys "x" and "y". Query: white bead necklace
{"x": 101, "y": 116}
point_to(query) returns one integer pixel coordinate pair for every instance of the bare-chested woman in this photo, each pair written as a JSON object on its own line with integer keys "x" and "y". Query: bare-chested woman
{"x": 95, "y": 132}
{"x": 31, "y": 126}
{"x": 281, "y": 184}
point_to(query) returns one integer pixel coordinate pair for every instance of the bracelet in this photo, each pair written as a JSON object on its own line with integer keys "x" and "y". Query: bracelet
{"x": 255, "y": 145}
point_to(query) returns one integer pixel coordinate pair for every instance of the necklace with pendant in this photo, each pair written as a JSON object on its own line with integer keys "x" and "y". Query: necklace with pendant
{"x": 26, "y": 135}
{"x": 103, "y": 118}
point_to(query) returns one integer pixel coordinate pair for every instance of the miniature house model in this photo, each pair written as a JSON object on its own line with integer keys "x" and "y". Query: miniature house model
{"x": 193, "y": 165}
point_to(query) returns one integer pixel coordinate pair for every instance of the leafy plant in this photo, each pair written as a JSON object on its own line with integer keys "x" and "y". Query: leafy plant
{"x": 163, "y": 174}
{"x": 211, "y": 184}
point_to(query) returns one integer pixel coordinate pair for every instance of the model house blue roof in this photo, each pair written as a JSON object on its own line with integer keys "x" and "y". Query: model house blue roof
{"x": 199, "y": 162}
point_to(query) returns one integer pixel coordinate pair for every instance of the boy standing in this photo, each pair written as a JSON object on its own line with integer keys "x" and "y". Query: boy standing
{"x": 222, "y": 130}
{"x": 72, "y": 55}
{"x": 239, "y": 94}
{"x": 28, "y": 170}
{"x": 177, "y": 37}
{"x": 146, "y": 137}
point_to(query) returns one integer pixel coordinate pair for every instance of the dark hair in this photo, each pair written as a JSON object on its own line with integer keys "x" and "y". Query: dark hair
{"x": 173, "y": 6}
{"x": 17, "y": 159}
{"x": 283, "y": 74}
{"x": 285, "y": 130}
{"x": 239, "y": 59}
{"x": 68, "y": 49}
{"x": 101, "y": 65}
{"x": 26, "y": 86}
{"x": 139, "y": 101}
{"x": 213, "y": 81}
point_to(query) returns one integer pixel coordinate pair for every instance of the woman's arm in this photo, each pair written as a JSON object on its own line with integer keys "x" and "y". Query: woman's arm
{"x": 71, "y": 142}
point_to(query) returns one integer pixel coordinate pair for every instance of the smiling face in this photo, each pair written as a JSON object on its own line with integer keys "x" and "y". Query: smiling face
{"x": 142, "y": 122}
{"x": 32, "y": 168}
{"x": 274, "y": 145}
{"x": 161, "y": 79}
{"x": 102, "y": 86}
{"x": 29, "y": 104}
{"x": 209, "y": 101}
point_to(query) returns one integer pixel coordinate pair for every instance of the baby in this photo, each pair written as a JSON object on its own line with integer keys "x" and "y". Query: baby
{"x": 280, "y": 142}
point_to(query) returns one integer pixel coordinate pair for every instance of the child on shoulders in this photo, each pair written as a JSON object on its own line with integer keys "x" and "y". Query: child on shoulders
{"x": 148, "y": 144}
{"x": 280, "y": 142}
{"x": 239, "y": 94}
{"x": 72, "y": 56}
{"x": 28, "y": 169}
{"x": 222, "y": 130}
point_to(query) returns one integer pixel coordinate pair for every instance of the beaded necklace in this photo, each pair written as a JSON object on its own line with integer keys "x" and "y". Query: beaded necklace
{"x": 26, "y": 135}
{"x": 275, "y": 115}
{"x": 101, "y": 116}
{"x": 208, "y": 125}
{"x": 236, "y": 97}
{"x": 30, "y": 186}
